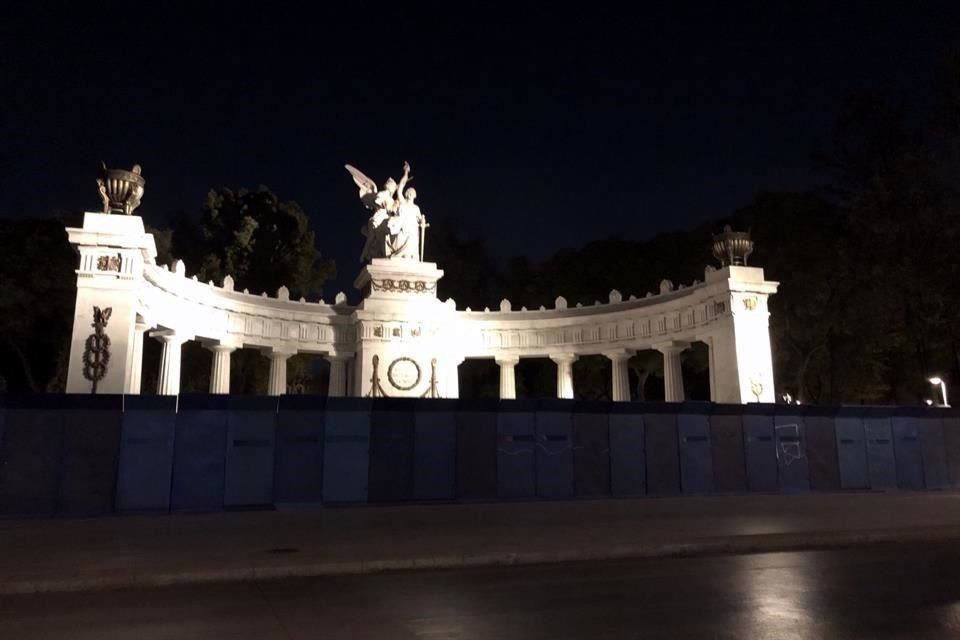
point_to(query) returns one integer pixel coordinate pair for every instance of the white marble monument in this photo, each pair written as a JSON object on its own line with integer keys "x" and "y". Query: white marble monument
{"x": 400, "y": 340}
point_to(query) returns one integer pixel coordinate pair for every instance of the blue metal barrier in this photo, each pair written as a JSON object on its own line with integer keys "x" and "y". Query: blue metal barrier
{"x": 391, "y": 449}
{"x": 591, "y": 449}
{"x": 91, "y": 446}
{"x": 628, "y": 453}
{"x": 199, "y": 452}
{"x": 251, "y": 433}
{"x": 81, "y": 455}
{"x": 516, "y": 449}
{"x": 346, "y": 450}
{"x": 696, "y": 457}
{"x": 759, "y": 448}
{"x": 933, "y": 449}
{"x": 146, "y": 453}
{"x": 662, "y": 448}
{"x": 31, "y": 454}
{"x": 435, "y": 450}
{"x": 726, "y": 442}
{"x": 298, "y": 463}
{"x": 790, "y": 436}
{"x": 821, "y": 430}
{"x": 951, "y": 445}
{"x": 907, "y": 423}
{"x": 554, "y": 452}
{"x": 852, "y": 449}
{"x": 477, "y": 450}
{"x": 880, "y": 457}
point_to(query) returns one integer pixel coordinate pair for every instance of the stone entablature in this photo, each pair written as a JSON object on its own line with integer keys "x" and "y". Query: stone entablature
{"x": 216, "y": 313}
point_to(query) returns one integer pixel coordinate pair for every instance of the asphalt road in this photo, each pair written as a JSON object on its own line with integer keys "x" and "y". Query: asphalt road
{"x": 890, "y": 592}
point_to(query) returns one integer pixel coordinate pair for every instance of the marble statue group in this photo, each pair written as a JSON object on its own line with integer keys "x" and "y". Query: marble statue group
{"x": 396, "y": 227}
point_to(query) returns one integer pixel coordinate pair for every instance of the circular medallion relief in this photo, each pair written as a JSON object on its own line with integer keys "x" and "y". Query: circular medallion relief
{"x": 403, "y": 373}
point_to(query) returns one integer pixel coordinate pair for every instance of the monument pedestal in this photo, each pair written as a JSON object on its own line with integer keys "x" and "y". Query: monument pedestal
{"x": 113, "y": 249}
{"x": 405, "y": 336}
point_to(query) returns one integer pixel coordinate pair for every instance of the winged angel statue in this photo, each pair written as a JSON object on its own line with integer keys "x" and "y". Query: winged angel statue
{"x": 396, "y": 227}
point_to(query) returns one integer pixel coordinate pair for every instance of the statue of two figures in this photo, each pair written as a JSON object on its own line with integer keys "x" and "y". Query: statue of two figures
{"x": 396, "y": 227}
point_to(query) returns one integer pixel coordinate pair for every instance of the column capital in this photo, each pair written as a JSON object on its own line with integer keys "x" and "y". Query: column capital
{"x": 171, "y": 336}
{"x": 507, "y": 361}
{"x": 673, "y": 346}
{"x": 220, "y": 347}
{"x": 618, "y": 355}
{"x": 278, "y": 353}
{"x": 564, "y": 358}
{"x": 339, "y": 357}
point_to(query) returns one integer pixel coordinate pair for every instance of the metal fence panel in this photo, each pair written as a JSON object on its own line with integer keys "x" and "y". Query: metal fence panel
{"x": 628, "y": 456}
{"x": 251, "y": 438}
{"x": 146, "y": 453}
{"x": 435, "y": 450}
{"x": 591, "y": 453}
{"x": 516, "y": 451}
{"x": 696, "y": 460}
{"x": 554, "y": 457}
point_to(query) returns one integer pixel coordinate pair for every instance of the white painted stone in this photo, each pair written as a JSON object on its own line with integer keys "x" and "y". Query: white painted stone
{"x": 417, "y": 341}
{"x": 505, "y": 305}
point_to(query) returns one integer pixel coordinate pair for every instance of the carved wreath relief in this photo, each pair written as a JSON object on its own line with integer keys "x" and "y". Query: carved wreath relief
{"x": 403, "y": 286}
{"x": 404, "y": 373}
{"x": 96, "y": 352}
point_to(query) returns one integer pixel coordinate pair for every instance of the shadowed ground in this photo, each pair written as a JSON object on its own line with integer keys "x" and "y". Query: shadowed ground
{"x": 884, "y": 592}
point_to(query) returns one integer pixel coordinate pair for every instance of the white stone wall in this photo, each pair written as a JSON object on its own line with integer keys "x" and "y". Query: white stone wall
{"x": 404, "y": 324}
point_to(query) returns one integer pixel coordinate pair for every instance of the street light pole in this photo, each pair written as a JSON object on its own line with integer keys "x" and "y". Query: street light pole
{"x": 937, "y": 380}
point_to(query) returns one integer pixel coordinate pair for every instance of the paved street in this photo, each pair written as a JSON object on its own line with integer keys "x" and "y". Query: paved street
{"x": 887, "y": 592}
{"x": 161, "y": 550}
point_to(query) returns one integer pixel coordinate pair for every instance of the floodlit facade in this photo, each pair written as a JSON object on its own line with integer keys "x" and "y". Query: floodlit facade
{"x": 400, "y": 340}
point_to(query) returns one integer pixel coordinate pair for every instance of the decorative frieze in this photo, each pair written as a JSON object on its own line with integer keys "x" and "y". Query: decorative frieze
{"x": 389, "y": 285}
{"x": 110, "y": 263}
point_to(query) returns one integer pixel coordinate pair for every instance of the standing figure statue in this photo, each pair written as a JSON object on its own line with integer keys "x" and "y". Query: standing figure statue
{"x": 406, "y": 226}
{"x": 394, "y": 230}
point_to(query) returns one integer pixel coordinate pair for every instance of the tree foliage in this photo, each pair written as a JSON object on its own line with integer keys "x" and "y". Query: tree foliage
{"x": 37, "y": 295}
{"x": 254, "y": 237}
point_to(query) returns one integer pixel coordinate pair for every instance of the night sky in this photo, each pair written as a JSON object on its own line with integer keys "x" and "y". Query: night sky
{"x": 544, "y": 128}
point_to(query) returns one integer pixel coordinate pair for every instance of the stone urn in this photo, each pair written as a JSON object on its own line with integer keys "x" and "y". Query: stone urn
{"x": 121, "y": 190}
{"x": 732, "y": 247}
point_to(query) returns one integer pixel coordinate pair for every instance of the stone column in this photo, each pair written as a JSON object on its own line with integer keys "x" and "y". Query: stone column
{"x": 220, "y": 368}
{"x": 621, "y": 375}
{"x": 136, "y": 359}
{"x": 278, "y": 372}
{"x": 672, "y": 372}
{"x": 168, "y": 383}
{"x": 564, "y": 363}
{"x": 338, "y": 375}
{"x": 508, "y": 378}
